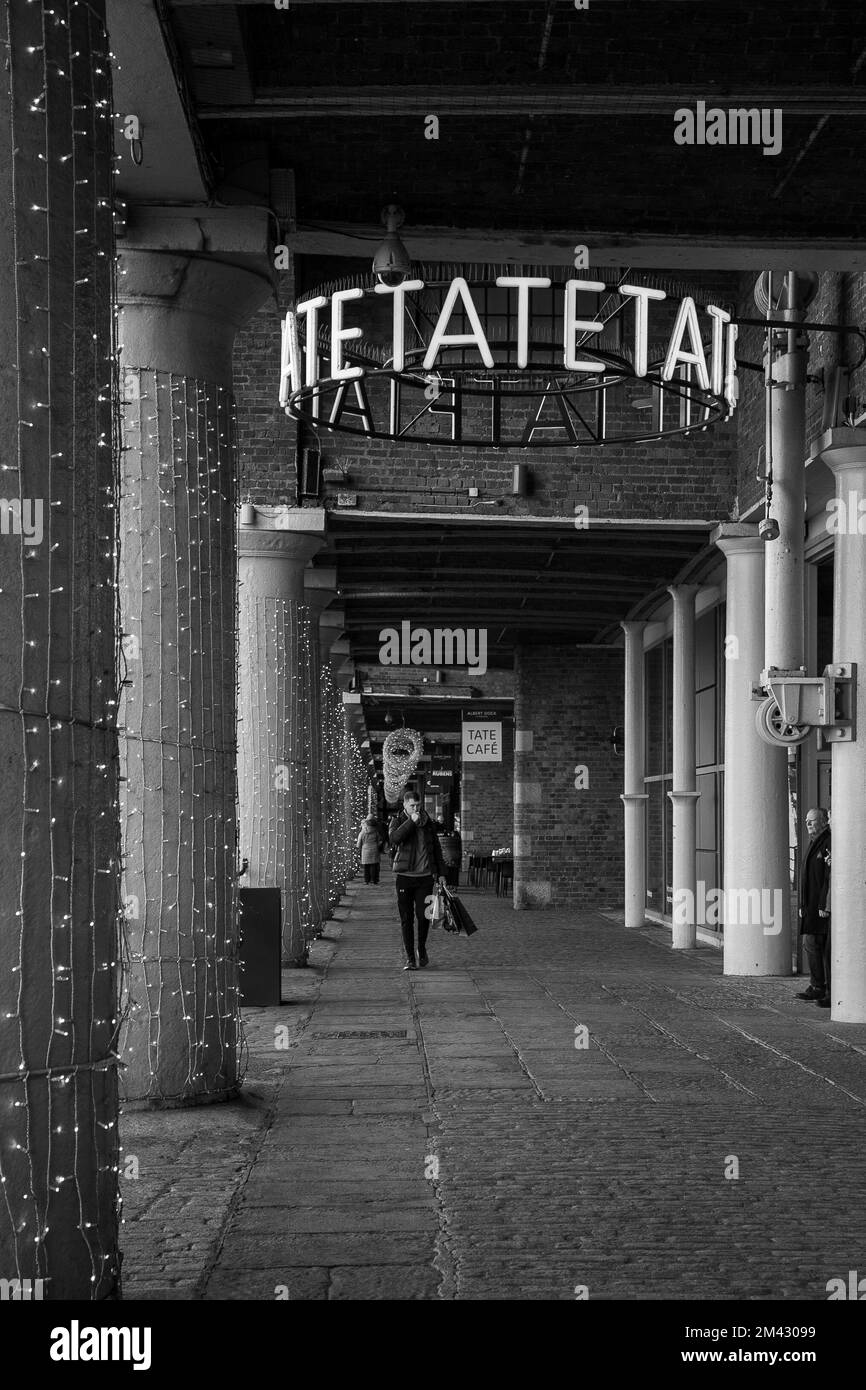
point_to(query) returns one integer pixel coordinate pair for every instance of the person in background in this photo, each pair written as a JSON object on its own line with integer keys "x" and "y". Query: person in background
{"x": 370, "y": 845}
{"x": 815, "y": 907}
{"x": 417, "y": 862}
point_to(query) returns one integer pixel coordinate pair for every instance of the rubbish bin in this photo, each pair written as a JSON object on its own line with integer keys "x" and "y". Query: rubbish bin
{"x": 260, "y": 926}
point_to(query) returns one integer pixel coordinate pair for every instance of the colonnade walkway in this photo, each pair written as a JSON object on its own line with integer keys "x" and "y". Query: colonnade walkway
{"x": 439, "y": 1135}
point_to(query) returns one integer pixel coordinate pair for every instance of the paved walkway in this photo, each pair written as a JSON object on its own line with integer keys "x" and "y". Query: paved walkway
{"x": 439, "y": 1134}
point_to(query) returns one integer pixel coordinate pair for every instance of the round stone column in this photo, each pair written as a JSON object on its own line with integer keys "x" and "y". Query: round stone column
{"x": 276, "y": 727}
{"x": 331, "y": 626}
{"x": 752, "y": 946}
{"x": 178, "y": 316}
{"x": 634, "y": 798}
{"x": 59, "y": 843}
{"x": 685, "y": 794}
{"x": 320, "y": 590}
{"x": 844, "y": 452}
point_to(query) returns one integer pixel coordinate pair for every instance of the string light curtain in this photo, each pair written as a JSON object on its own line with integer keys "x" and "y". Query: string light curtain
{"x": 344, "y": 793}
{"x": 274, "y": 746}
{"x": 178, "y": 748}
{"x": 314, "y": 789}
{"x": 59, "y": 849}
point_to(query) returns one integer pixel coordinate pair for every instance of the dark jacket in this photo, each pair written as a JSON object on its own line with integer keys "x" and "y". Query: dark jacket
{"x": 815, "y": 887}
{"x": 406, "y": 838}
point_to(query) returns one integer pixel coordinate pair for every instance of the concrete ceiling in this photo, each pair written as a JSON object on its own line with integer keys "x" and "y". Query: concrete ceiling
{"x": 555, "y": 125}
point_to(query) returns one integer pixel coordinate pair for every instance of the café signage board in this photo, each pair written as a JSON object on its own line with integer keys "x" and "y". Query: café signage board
{"x": 481, "y": 739}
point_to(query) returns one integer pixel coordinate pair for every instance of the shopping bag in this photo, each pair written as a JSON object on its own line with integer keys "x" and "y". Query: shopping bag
{"x": 457, "y": 913}
{"x": 435, "y": 908}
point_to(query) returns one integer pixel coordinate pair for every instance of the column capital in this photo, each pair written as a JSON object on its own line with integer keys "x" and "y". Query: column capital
{"x": 179, "y": 310}
{"x": 263, "y": 544}
{"x": 633, "y": 627}
{"x": 683, "y": 593}
{"x": 737, "y": 538}
{"x": 842, "y": 449}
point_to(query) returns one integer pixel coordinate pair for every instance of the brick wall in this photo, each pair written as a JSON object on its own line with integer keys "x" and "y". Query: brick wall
{"x": 266, "y": 436}
{"x": 568, "y": 843}
{"x": 487, "y": 803}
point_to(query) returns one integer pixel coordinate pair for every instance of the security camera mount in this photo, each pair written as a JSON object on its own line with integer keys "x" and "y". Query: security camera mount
{"x": 792, "y": 704}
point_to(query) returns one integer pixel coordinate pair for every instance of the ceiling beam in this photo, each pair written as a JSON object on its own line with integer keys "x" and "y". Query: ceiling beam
{"x": 607, "y": 247}
{"x": 436, "y": 522}
{"x": 488, "y": 101}
{"x": 357, "y": 4}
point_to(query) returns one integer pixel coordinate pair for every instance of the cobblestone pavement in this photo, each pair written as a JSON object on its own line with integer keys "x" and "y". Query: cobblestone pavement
{"x": 440, "y": 1135}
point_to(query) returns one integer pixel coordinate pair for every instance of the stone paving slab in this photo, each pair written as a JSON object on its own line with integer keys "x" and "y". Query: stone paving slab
{"x": 481, "y": 1155}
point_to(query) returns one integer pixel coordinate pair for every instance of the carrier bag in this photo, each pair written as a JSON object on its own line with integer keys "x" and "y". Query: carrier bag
{"x": 458, "y": 914}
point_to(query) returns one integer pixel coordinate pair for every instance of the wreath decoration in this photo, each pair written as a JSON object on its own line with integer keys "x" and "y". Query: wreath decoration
{"x": 400, "y": 754}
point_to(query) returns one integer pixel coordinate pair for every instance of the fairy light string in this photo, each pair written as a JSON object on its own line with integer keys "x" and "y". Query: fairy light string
{"x": 182, "y": 1037}
{"x": 60, "y": 938}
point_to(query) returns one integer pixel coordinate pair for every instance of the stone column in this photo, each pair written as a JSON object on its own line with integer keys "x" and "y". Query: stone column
{"x": 320, "y": 590}
{"x": 751, "y": 873}
{"x": 634, "y": 797}
{"x": 844, "y": 452}
{"x": 331, "y": 626}
{"x": 178, "y": 316}
{"x": 685, "y": 794}
{"x": 275, "y": 714}
{"x": 59, "y": 847}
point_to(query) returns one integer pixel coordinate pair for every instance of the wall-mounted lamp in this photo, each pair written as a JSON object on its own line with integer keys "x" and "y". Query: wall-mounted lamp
{"x": 521, "y": 484}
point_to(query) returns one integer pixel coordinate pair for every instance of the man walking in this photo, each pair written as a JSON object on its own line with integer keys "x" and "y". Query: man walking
{"x": 417, "y": 861}
{"x": 815, "y": 907}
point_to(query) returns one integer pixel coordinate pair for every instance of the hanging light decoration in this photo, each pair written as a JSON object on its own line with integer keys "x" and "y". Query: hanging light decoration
{"x": 400, "y": 753}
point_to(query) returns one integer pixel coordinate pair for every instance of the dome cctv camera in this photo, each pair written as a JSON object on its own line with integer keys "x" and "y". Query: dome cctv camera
{"x": 391, "y": 262}
{"x": 768, "y": 529}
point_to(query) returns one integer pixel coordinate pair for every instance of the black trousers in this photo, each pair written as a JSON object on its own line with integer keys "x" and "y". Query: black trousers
{"x": 816, "y": 949}
{"x": 412, "y": 895}
{"x": 371, "y": 873}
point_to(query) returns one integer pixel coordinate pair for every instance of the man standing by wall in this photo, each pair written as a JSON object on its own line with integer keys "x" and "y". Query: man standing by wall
{"x": 815, "y": 907}
{"x": 417, "y": 860}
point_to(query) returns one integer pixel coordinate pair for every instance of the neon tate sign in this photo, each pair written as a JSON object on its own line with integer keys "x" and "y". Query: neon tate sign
{"x": 568, "y": 392}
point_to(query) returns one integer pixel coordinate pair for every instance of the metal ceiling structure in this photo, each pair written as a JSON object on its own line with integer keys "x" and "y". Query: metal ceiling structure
{"x": 534, "y": 582}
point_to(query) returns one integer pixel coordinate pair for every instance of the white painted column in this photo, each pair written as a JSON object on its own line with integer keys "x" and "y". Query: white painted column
{"x": 784, "y": 593}
{"x": 634, "y": 796}
{"x": 844, "y": 452}
{"x": 751, "y": 854}
{"x": 274, "y": 708}
{"x": 685, "y": 794}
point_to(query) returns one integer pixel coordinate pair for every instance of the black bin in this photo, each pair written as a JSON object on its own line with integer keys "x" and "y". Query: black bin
{"x": 260, "y": 931}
